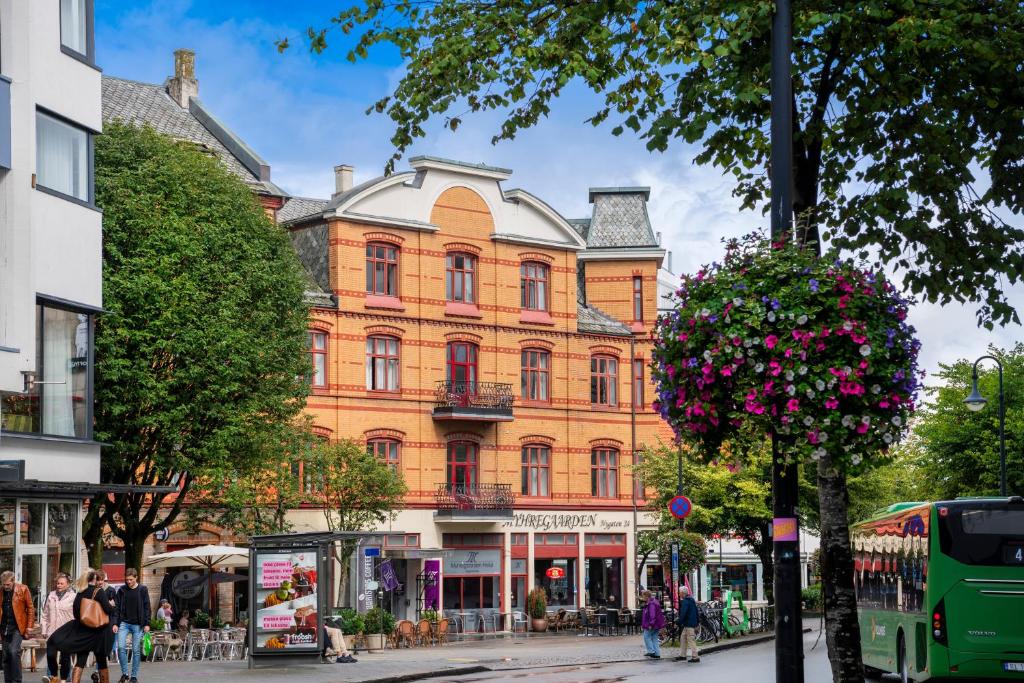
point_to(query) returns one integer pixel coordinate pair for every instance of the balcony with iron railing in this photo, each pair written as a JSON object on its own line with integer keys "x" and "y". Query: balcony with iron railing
{"x": 475, "y": 401}
{"x": 474, "y": 502}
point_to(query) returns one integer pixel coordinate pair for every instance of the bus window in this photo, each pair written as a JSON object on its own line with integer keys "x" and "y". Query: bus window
{"x": 985, "y": 535}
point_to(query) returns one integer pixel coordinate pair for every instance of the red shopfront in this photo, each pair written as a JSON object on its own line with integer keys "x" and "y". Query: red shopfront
{"x": 605, "y": 570}
{"x": 471, "y": 575}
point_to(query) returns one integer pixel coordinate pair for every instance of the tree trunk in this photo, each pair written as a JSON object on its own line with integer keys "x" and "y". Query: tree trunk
{"x": 133, "y": 550}
{"x": 842, "y": 629}
{"x": 93, "y": 525}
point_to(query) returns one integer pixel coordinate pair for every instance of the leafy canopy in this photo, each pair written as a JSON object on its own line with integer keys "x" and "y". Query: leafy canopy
{"x": 202, "y": 353}
{"x": 909, "y": 117}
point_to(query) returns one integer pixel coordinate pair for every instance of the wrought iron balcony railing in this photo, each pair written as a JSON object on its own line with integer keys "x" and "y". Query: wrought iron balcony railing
{"x": 493, "y": 500}
{"x": 487, "y": 401}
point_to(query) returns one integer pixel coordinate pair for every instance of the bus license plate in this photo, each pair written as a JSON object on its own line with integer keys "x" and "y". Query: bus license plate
{"x": 1013, "y": 666}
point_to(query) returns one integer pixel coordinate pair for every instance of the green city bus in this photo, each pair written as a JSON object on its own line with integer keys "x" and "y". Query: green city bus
{"x": 940, "y": 589}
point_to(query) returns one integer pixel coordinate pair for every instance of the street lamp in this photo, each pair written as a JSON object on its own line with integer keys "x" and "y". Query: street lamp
{"x": 976, "y": 402}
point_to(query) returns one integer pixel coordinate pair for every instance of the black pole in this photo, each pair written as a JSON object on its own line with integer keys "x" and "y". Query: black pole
{"x": 1002, "y": 419}
{"x": 789, "y": 664}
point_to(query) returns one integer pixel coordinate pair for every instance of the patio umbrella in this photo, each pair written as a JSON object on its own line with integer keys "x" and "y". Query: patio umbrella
{"x": 206, "y": 556}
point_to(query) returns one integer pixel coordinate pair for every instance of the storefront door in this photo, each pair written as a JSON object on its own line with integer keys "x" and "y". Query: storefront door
{"x": 30, "y": 571}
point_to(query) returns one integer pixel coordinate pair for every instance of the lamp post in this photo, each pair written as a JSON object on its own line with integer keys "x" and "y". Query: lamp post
{"x": 976, "y": 402}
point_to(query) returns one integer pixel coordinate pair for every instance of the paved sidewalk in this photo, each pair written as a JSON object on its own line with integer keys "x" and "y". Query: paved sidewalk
{"x": 418, "y": 663}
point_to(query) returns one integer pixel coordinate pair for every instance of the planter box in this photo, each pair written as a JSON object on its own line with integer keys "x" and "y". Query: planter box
{"x": 375, "y": 641}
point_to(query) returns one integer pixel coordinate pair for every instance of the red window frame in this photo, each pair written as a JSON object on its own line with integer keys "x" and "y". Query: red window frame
{"x": 304, "y": 478}
{"x": 389, "y": 451}
{"x": 638, "y": 383}
{"x": 381, "y": 269}
{"x": 534, "y": 286}
{"x": 604, "y": 381}
{"x": 460, "y": 269}
{"x": 468, "y": 365}
{"x": 463, "y": 472}
{"x": 604, "y": 473}
{"x": 638, "y": 298}
{"x": 380, "y": 357}
{"x": 535, "y": 378}
{"x": 316, "y": 344}
{"x": 536, "y": 470}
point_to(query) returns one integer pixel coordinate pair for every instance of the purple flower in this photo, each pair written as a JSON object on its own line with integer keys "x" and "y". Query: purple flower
{"x": 813, "y": 285}
{"x": 776, "y": 305}
{"x": 692, "y": 363}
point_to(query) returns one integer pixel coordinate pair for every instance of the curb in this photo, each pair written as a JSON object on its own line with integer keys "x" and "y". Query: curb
{"x": 423, "y": 675}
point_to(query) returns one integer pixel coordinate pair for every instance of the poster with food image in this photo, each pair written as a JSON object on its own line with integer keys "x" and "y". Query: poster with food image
{"x": 286, "y": 600}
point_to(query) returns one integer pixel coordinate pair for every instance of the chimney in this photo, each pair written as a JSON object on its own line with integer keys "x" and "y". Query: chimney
{"x": 668, "y": 261}
{"x": 183, "y": 86}
{"x": 657, "y": 237}
{"x": 342, "y": 179}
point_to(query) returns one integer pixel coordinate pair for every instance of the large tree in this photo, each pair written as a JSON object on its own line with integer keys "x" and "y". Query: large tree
{"x": 908, "y": 117}
{"x": 202, "y": 350}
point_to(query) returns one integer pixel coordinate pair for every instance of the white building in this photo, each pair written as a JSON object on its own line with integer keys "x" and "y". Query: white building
{"x": 50, "y": 283}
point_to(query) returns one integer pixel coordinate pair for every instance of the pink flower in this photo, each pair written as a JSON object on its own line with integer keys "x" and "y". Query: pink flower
{"x": 754, "y": 407}
{"x": 858, "y": 338}
{"x": 770, "y": 341}
{"x": 792, "y": 405}
{"x": 683, "y": 336}
{"x": 726, "y": 371}
{"x": 862, "y": 428}
{"x": 670, "y": 371}
{"x": 812, "y": 437}
{"x": 768, "y": 386}
{"x": 788, "y": 353}
{"x": 883, "y": 403}
{"x": 774, "y": 368}
{"x": 843, "y": 300}
{"x": 832, "y": 403}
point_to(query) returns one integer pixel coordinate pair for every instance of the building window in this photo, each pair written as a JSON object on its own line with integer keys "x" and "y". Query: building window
{"x": 316, "y": 343}
{"x": 536, "y": 471}
{"x": 63, "y": 163}
{"x": 381, "y": 269}
{"x": 462, "y": 465}
{"x": 534, "y": 286}
{"x": 76, "y": 27}
{"x": 304, "y": 476}
{"x": 639, "y": 491}
{"x": 604, "y": 376}
{"x": 535, "y": 374}
{"x": 385, "y": 449}
{"x": 59, "y": 401}
{"x": 462, "y": 366}
{"x": 638, "y": 383}
{"x": 382, "y": 364}
{"x": 604, "y": 473}
{"x": 638, "y": 298}
{"x": 459, "y": 276}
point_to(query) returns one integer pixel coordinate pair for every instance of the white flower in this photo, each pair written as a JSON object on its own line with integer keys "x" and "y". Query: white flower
{"x": 810, "y": 393}
{"x": 847, "y": 420}
{"x": 847, "y": 369}
{"x": 802, "y": 369}
{"x": 808, "y": 421}
{"x": 790, "y": 389}
{"x": 738, "y": 301}
{"x": 707, "y": 311}
{"x": 802, "y": 320}
{"x": 823, "y": 436}
{"x": 789, "y": 375}
{"x": 831, "y": 383}
{"x": 897, "y": 420}
{"x": 771, "y": 316}
{"x": 855, "y": 458}
{"x": 887, "y": 438}
{"x": 707, "y": 355}
{"x": 866, "y": 419}
{"x": 847, "y": 326}
{"x": 817, "y": 453}
{"x": 875, "y": 389}
{"x": 784, "y": 429}
{"x": 759, "y": 367}
{"x": 865, "y": 350}
{"x": 739, "y": 354}
{"x": 820, "y": 385}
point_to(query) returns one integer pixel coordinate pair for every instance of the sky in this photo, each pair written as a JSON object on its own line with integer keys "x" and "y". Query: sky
{"x": 305, "y": 114}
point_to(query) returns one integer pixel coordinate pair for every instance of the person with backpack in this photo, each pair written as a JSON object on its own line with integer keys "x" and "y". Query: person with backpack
{"x": 652, "y": 621}
{"x": 687, "y": 620}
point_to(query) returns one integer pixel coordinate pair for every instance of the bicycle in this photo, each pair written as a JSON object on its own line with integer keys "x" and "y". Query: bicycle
{"x": 669, "y": 633}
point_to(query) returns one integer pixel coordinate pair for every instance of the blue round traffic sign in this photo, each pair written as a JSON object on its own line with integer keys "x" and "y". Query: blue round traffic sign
{"x": 680, "y": 507}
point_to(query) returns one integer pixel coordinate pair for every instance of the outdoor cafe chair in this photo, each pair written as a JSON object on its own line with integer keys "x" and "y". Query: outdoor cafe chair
{"x": 213, "y": 647}
{"x": 406, "y": 633}
{"x": 423, "y": 634}
{"x": 233, "y": 644}
{"x": 196, "y": 645}
{"x": 442, "y": 632}
{"x": 613, "y": 621}
{"x": 517, "y": 619}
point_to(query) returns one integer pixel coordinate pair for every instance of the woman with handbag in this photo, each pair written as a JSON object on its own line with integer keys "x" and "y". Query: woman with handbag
{"x": 86, "y": 634}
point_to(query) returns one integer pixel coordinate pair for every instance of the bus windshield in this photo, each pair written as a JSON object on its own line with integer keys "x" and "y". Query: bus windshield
{"x": 982, "y": 532}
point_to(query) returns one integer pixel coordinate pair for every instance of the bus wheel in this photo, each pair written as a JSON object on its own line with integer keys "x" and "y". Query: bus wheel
{"x": 901, "y": 659}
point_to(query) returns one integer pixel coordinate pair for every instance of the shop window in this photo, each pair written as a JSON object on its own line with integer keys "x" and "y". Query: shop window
{"x": 558, "y": 578}
{"x": 638, "y": 298}
{"x": 536, "y": 471}
{"x": 604, "y": 378}
{"x": 518, "y": 571}
{"x": 462, "y": 465}
{"x": 536, "y": 369}
{"x": 382, "y": 364}
{"x": 520, "y": 539}
{"x": 460, "y": 278}
{"x": 386, "y": 450}
{"x": 471, "y": 592}
{"x": 316, "y": 346}
{"x": 604, "y": 582}
{"x": 381, "y": 269}
{"x": 604, "y": 473}
{"x": 402, "y": 540}
{"x": 534, "y": 286}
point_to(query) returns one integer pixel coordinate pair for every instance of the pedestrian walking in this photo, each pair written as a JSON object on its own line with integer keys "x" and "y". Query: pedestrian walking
{"x": 57, "y": 611}
{"x": 108, "y": 631}
{"x": 688, "y": 626}
{"x": 83, "y": 635}
{"x": 652, "y": 621}
{"x": 133, "y": 612}
{"x": 17, "y": 617}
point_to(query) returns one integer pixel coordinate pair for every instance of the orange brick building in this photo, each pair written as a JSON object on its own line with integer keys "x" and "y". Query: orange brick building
{"x": 495, "y": 353}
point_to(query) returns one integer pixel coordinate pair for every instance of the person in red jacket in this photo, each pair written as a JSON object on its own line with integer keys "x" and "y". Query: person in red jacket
{"x": 17, "y": 617}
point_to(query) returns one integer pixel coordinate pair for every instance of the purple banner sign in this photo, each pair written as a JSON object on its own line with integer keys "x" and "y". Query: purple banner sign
{"x": 431, "y": 584}
{"x": 388, "y": 576}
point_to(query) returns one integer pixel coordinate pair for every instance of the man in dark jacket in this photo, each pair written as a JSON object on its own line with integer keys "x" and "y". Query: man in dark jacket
{"x": 134, "y": 612}
{"x": 688, "y": 625}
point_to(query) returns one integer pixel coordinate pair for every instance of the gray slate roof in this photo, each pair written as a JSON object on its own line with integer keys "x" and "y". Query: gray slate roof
{"x": 300, "y": 207}
{"x": 619, "y": 218}
{"x": 145, "y": 103}
{"x": 593, "y": 320}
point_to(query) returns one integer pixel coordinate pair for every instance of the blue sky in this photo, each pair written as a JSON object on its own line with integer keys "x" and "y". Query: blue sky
{"x": 304, "y": 114}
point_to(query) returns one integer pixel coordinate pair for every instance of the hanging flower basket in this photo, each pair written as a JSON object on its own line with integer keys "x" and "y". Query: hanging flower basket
{"x": 774, "y": 338}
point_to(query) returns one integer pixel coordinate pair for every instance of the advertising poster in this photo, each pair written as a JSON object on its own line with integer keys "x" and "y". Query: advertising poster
{"x": 286, "y": 600}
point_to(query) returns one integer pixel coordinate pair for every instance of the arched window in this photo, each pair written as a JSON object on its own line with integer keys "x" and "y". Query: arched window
{"x": 316, "y": 346}
{"x": 604, "y": 381}
{"x": 536, "y": 372}
{"x": 388, "y": 450}
{"x": 533, "y": 279}
{"x": 536, "y": 470}
{"x": 460, "y": 277}
{"x": 463, "y": 457}
{"x": 604, "y": 473}
{"x": 381, "y": 269}
{"x": 382, "y": 364}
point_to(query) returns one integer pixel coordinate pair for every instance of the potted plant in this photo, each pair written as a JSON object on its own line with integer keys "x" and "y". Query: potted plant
{"x": 537, "y": 608}
{"x": 157, "y": 624}
{"x": 352, "y": 622}
{"x": 378, "y": 625}
{"x": 430, "y": 615}
{"x": 201, "y": 619}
